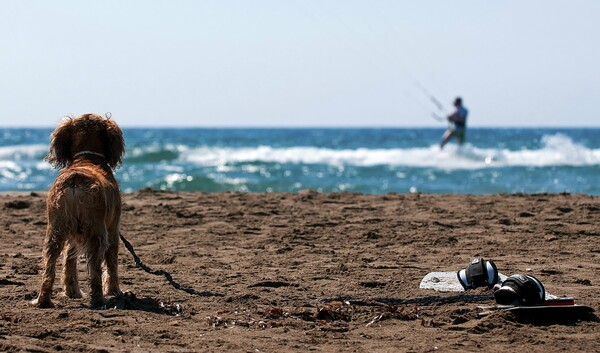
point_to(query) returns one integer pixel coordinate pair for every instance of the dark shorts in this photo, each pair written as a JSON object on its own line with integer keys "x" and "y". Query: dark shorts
{"x": 459, "y": 134}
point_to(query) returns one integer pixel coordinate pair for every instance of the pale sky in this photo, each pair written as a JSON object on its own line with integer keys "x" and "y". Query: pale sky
{"x": 284, "y": 63}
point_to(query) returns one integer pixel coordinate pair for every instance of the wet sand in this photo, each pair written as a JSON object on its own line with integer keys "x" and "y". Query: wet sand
{"x": 310, "y": 272}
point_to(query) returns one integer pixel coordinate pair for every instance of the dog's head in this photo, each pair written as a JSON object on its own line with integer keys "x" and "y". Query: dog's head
{"x": 87, "y": 132}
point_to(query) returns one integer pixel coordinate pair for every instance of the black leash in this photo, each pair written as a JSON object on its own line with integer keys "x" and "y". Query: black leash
{"x": 140, "y": 264}
{"x": 352, "y": 300}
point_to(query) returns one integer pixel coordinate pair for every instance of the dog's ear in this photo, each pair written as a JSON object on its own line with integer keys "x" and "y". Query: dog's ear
{"x": 59, "y": 155}
{"x": 115, "y": 145}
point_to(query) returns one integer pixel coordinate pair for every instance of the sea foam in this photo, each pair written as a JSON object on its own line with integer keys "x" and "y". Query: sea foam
{"x": 556, "y": 150}
{"x": 23, "y": 152}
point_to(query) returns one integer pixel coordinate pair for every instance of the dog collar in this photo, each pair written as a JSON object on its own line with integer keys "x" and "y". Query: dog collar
{"x": 88, "y": 152}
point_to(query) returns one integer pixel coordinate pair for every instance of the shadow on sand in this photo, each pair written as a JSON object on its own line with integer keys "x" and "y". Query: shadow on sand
{"x": 128, "y": 301}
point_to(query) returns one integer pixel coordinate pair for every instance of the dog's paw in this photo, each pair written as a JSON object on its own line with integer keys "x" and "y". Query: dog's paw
{"x": 42, "y": 304}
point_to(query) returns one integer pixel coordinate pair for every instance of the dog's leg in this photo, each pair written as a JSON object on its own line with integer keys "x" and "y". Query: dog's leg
{"x": 69, "y": 277}
{"x": 95, "y": 278}
{"x": 53, "y": 245}
{"x": 96, "y": 245}
{"x": 111, "y": 279}
{"x": 94, "y": 264}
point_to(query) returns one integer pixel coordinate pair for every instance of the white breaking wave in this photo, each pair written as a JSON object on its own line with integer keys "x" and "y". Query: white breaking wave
{"x": 557, "y": 150}
{"x": 23, "y": 152}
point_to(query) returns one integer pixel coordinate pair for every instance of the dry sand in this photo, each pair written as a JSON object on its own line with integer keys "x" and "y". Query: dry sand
{"x": 285, "y": 265}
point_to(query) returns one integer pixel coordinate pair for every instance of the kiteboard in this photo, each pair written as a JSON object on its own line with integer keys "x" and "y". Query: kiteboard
{"x": 447, "y": 281}
{"x": 557, "y": 308}
{"x": 553, "y": 307}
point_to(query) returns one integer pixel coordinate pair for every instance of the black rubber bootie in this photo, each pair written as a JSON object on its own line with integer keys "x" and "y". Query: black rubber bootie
{"x": 479, "y": 273}
{"x": 524, "y": 290}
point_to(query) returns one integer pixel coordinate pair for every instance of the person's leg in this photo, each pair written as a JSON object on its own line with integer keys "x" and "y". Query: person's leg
{"x": 446, "y": 138}
{"x": 460, "y": 136}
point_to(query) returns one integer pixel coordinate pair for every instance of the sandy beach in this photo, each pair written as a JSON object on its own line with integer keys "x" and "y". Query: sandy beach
{"x": 331, "y": 272}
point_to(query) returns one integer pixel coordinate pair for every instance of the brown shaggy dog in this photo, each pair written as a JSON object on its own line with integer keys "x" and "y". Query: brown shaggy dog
{"x": 83, "y": 207}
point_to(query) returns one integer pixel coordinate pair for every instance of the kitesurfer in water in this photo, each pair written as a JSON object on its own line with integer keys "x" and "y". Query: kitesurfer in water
{"x": 459, "y": 122}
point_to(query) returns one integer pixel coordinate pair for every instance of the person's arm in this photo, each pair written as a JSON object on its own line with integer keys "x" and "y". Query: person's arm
{"x": 456, "y": 117}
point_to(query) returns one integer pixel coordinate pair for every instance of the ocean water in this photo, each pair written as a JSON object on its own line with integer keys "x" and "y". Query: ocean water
{"x": 371, "y": 161}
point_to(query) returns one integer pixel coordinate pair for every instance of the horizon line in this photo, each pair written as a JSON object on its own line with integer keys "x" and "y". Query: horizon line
{"x": 225, "y": 127}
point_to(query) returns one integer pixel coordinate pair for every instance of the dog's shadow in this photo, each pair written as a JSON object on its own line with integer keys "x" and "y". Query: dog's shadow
{"x": 129, "y": 301}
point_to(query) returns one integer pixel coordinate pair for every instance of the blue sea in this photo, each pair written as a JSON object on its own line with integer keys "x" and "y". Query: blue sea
{"x": 372, "y": 161}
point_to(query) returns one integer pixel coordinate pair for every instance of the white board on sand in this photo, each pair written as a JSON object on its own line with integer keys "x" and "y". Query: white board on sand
{"x": 554, "y": 307}
{"x": 447, "y": 281}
